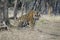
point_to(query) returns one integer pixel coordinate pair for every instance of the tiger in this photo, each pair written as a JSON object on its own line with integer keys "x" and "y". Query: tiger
{"x": 28, "y": 19}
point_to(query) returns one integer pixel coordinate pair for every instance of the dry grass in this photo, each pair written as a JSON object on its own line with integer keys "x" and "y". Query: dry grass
{"x": 49, "y": 29}
{"x": 26, "y": 34}
{"x": 51, "y": 18}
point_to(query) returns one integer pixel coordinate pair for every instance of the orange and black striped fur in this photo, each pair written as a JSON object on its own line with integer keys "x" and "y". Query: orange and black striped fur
{"x": 28, "y": 19}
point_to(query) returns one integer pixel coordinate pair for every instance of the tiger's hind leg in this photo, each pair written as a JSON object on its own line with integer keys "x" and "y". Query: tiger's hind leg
{"x": 23, "y": 24}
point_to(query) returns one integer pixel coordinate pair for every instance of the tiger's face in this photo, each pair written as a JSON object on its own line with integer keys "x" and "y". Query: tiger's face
{"x": 36, "y": 16}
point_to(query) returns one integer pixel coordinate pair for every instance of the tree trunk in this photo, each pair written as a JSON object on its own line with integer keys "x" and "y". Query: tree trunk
{"x": 49, "y": 9}
{"x": 22, "y": 8}
{"x": 1, "y": 15}
{"x": 15, "y": 9}
{"x": 5, "y": 12}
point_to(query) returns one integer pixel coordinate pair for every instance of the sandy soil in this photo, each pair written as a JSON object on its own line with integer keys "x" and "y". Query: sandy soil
{"x": 44, "y": 30}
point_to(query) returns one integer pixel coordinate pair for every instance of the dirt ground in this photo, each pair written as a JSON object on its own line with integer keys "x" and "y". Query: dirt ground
{"x": 47, "y": 28}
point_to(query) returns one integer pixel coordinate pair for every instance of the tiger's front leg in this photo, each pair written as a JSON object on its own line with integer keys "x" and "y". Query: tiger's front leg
{"x": 32, "y": 24}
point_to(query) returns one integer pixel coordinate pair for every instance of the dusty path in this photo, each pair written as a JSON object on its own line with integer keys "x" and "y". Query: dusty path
{"x": 44, "y": 30}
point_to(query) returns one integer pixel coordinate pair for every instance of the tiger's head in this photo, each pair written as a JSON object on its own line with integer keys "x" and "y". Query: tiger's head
{"x": 34, "y": 14}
